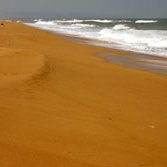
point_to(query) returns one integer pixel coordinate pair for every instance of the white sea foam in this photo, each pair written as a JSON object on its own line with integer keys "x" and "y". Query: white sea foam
{"x": 83, "y": 25}
{"x": 124, "y": 21}
{"x": 18, "y": 21}
{"x": 120, "y": 27}
{"x": 146, "y": 21}
{"x": 36, "y": 20}
{"x": 69, "y": 21}
{"x": 40, "y": 22}
{"x": 149, "y": 41}
{"x": 122, "y": 35}
{"x": 101, "y": 21}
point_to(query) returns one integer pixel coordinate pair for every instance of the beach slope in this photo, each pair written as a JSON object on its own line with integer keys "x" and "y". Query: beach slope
{"x": 61, "y": 106}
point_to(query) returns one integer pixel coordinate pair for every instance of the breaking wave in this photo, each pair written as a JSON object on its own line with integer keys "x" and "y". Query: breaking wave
{"x": 122, "y": 34}
{"x": 120, "y": 27}
{"x": 146, "y": 21}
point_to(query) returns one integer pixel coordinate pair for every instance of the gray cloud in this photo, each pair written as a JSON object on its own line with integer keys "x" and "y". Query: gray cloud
{"x": 83, "y": 8}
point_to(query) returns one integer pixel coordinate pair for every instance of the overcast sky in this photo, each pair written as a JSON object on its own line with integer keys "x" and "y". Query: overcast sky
{"x": 83, "y": 8}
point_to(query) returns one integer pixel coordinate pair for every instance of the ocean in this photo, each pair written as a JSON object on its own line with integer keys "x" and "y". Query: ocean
{"x": 148, "y": 36}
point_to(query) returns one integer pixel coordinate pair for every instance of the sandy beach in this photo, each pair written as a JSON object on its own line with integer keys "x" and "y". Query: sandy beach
{"x": 63, "y": 106}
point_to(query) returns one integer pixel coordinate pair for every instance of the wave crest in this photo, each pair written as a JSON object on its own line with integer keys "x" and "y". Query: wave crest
{"x": 69, "y": 21}
{"x": 120, "y": 27}
{"x": 146, "y": 21}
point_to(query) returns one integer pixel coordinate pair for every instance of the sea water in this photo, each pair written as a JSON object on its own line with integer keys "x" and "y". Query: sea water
{"x": 140, "y": 35}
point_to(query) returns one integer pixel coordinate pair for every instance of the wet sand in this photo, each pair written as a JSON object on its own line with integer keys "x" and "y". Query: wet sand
{"x": 153, "y": 64}
{"x": 61, "y": 105}
{"x": 145, "y": 62}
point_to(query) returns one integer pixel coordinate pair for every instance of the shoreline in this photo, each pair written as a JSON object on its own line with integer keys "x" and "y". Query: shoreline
{"x": 61, "y": 105}
{"x": 129, "y": 59}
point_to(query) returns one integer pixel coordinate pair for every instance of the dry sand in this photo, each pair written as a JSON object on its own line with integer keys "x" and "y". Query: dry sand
{"x": 61, "y": 106}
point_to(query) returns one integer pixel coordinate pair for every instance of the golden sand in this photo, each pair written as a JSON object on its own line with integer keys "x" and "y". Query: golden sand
{"x": 61, "y": 106}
